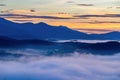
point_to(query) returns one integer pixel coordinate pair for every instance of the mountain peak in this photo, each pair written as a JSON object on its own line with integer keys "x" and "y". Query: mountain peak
{"x": 114, "y": 32}
{"x": 5, "y": 21}
{"x": 43, "y": 23}
{"x": 2, "y": 19}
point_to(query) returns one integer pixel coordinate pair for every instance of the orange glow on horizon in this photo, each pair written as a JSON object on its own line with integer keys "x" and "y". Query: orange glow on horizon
{"x": 73, "y": 25}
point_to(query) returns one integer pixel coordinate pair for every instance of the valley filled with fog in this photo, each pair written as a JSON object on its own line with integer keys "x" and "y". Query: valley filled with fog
{"x": 71, "y": 60}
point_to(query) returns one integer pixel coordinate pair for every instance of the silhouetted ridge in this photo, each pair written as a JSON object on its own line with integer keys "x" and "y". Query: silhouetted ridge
{"x": 43, "y": 24}
{"x": 5, "y": 41}
{"x": 46, "y": 31}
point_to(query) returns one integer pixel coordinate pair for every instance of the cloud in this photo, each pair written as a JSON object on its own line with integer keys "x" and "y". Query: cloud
{"x": 94, "y": 15}
{"x": 118, "y": 7}
{"x": 98, "y": 30}
{"x": 109, "y": 7}
{"x": 73, "y": 2}
{"x": 102, "y": 22}
{"x": 85, "y": 4}
{"x": 2, "y": 4}
{"x": 76, "y": 67}
{"x": 6, "y": 11}
{"x": 23, "y": 20}
{"x": 31, "y": 16}
{"x": 32, "y": 10}
{"x": 62, "y": 13}
{"x": 70, "y": 2}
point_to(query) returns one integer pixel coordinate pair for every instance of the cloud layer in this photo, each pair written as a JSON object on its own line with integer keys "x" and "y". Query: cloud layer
{"x": 85, "y": 4}
{"x": 104, "y": 15}
{"x": 31, "y": 16}
{"x": 76, "y": 67}
{"x": 2, "y": 4}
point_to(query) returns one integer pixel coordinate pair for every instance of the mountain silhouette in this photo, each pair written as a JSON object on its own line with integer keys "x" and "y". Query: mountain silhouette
{"x": 43, "y": 31}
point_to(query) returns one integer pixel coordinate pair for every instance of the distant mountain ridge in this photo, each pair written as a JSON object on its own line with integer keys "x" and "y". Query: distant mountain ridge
{"x": 62, "y": 49}
{"x": 43, "y": 31}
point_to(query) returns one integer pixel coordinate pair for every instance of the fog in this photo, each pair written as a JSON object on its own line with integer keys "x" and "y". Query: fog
{"x": 75, "y": 67}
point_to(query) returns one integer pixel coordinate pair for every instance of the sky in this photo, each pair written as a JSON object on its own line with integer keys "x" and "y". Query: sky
{"x": 91, "y": 16}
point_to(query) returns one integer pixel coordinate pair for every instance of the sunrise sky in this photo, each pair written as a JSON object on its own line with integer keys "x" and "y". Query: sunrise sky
{"x": 92, "y": 16}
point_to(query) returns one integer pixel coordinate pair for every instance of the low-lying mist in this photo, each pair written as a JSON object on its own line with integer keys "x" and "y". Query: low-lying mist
{"x": 61, "y": 61}
{"x": 75, "y": 67}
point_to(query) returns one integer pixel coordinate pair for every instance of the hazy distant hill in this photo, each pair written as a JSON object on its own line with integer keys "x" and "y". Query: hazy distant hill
{"x": 56, "y": 48}
{"x": 45, "y": 31}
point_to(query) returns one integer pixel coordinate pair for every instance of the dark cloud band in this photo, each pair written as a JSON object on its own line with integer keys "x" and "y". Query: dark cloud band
{"x": 2, "y": 4}
{"x": 98, "y": 30}
{"x": 31, "y": 16}
{"x": 104, "y": 15}
{"x": 85, "y": 4}
{"x": 102, "y": 22}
